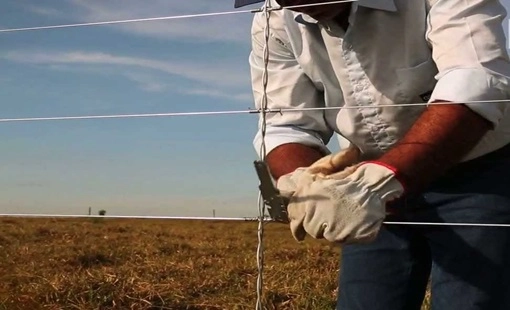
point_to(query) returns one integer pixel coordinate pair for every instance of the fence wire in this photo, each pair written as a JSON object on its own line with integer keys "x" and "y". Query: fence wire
{"x": 163, "y": 18}
{"x": 265, "y": 219}
{"x": 262, "y": 126}
{"x": 231, "y": 112}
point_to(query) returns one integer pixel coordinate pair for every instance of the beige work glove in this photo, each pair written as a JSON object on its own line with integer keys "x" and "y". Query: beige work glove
{"x": 344, "y": 207}
{"x": 336, "y": 162}
{"x": 288, "y": 183}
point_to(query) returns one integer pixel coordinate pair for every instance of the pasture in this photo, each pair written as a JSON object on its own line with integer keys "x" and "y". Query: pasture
{"x": 159, "y": 264}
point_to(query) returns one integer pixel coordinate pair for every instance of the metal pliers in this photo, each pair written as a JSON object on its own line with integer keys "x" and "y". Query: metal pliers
{"x": 277, "y": 204}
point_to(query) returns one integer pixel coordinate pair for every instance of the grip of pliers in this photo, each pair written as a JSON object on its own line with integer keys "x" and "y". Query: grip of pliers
{"x": 277, "y": 204}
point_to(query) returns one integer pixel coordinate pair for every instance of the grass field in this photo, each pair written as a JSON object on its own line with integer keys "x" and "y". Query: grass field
{"x": 151, "y": 264}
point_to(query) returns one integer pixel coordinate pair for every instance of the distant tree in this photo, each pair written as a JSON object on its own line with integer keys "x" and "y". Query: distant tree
{"x": 102, "y": 212}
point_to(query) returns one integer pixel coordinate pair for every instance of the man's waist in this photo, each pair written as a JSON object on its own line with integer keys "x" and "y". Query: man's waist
{"x": 462, "y": 172}
{"x": 501, "y": 154}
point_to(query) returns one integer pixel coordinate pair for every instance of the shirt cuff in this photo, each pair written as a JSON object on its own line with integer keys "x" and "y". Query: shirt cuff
{"x": 468, "y": 85}
{"x": 278, "y": 135}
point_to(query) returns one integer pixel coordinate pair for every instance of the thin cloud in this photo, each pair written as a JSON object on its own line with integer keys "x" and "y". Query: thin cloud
{"x": 225, "y": 28}
{"x": 44, "y": 11}
{"x": 147, "y": 82}
{"x": 153, "y": 84}
{"x": 209, "y": 73}
{"x": 219, "y": 94}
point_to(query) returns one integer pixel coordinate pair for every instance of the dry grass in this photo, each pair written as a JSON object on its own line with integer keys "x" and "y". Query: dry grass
{"x": 149, "y": 264}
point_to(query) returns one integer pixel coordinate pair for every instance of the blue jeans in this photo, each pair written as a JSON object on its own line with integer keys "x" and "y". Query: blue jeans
{"x": 469, "y": 267}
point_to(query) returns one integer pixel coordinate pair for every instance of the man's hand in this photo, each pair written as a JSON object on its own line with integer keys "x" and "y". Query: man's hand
{"x": 326, "y": 165}
{"x": 349, "y": 206}
{"x": 304, "y": 176}
{"x": 336, "y": 162}
{"x": 344, "y": 207}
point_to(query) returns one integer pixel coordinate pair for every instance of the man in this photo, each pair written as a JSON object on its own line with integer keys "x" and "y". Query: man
{"x": 430, "y": 162}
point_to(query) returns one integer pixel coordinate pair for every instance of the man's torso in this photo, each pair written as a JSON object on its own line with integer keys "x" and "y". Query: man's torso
{"x": 383, "y": 59}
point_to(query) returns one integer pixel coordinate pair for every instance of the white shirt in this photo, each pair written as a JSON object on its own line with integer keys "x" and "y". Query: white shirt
{"x": 394, "y": 52}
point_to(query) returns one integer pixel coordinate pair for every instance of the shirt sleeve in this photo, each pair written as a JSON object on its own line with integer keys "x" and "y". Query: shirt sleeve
{"x": 469, "y": 49}
{"x": 288, "y": 87}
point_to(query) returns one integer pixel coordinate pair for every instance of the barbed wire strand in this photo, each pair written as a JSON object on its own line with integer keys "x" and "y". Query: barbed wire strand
{"x": 163, "y": 18}
{"x": 262, "y": 153}
{"x": 219, "y": 219}
{"x": 140, "y": 217}
{"x": 123, "y": 21}
{"x": 247, "y": 111}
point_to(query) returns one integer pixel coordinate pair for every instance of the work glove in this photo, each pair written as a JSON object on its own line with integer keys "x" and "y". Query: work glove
{"x": 344, "y": 207}
{"x": 288, "y": 183}
{"x": 335, "y": 162}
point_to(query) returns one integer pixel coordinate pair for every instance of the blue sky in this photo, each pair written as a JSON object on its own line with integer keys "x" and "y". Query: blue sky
{"x": 172, "y": 166}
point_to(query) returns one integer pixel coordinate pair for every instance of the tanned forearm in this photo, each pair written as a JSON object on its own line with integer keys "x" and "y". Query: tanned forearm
{"x": 439, "y": 139}
{"x": 288, "y": 157}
